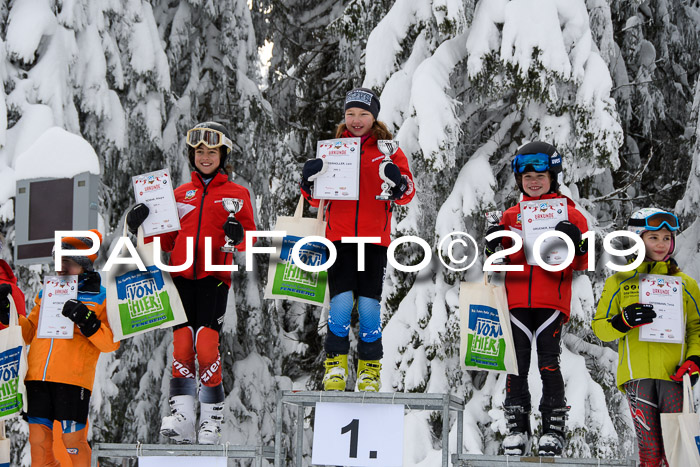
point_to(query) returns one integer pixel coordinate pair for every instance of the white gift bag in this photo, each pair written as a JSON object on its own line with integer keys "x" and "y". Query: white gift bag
{"x": 486, "y": 340}
{"x": 141, "y": 301}
{"x": 285, "y": 279}
{"x": 681, "y": 431}
{"x": 13, "y": 367}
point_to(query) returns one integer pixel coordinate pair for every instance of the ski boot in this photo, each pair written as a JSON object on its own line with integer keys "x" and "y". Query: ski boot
{"x": 368, "y": 378}
{"x": 180, "y": 425}
{"x": 517, "y": 443}
{"x": 553, "y": 439}
{"x": 210, "y": 419}
{"x": 336, "y": 372}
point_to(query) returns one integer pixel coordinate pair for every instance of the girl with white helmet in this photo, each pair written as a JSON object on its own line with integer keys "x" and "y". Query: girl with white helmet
{"x": 649, "y": 372}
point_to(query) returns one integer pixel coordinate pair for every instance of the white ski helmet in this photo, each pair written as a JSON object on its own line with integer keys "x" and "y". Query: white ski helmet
{"x": 653, "y": 219}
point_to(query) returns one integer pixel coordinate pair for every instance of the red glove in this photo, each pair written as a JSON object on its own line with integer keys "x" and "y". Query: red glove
{"x": 690, "y": 366}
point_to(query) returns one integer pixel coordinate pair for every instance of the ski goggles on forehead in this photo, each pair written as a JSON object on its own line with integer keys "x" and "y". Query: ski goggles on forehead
{"x": 208, "y": 137}
{"x": 539, "y": 162}
{"x": 657, "y": 221}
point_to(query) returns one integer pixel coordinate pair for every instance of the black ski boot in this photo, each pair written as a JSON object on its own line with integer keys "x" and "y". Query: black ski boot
{"x": 553, "y": 439}
{"x": 517, "y": 442}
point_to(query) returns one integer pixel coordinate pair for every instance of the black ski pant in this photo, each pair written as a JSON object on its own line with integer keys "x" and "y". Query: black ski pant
{"x": 648, "y": 398}
{"x": 543, "y": 326}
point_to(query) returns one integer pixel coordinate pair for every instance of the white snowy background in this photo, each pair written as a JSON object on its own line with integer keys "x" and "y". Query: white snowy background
{"x": 111, "y": 87}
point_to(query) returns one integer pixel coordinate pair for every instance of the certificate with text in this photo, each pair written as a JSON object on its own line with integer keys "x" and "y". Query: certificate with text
{"x": 666, "y": 294}
{"x": 57, "y": 291}
{"x": 542, "y": 216}
{"x": 155, "y": 190}
{"x": 342, "y": 178}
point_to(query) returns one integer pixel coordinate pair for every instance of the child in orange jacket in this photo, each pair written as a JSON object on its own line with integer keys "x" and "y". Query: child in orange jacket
{"x": 61, "y": 372}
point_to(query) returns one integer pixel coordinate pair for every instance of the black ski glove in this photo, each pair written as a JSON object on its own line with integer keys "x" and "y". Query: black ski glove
{"x": 234, "y": 230}
{"x": 84, "y": 317}
{"x": 5, "y": 291}
{"x": 491, "y": 245}
{"x": 574, "y": 233}
{"x": 312, "y": 168}
{"x": 633, "y": 316}
{"x": 136, "y": 216}
{"x": 393, "y": 173}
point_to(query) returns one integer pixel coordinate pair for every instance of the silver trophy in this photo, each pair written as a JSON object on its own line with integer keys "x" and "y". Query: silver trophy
{"x": 387, "y": 147}
{"x": 233, "y": 206}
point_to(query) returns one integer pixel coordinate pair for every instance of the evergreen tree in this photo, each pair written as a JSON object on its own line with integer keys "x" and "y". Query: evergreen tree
{"x": 468, "y": 108}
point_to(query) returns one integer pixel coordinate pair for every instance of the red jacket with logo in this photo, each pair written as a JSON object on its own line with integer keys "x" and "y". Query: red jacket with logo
{"x": 368, "y": 216}
{"x": 202, "y": 215}
{"x": 8, "y": 277}
{"x": 535, "y": 287}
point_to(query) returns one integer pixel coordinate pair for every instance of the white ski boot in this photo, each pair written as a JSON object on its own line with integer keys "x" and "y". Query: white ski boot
{"x": 180, "y": 425}
{"x": 210, "y": 423}
{"x": 517, "y": 443}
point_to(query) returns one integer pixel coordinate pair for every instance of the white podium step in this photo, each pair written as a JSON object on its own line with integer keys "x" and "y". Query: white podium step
{"x": 477, "y": 460}
{"x": 415, "y": 401}
{"x": 133, "y": 451}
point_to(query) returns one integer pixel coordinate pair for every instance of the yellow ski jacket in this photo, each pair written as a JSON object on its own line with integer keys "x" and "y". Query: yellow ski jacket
{"x": 638, "y": 359}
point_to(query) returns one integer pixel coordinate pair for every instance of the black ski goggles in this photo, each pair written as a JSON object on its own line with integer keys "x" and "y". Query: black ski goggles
{"x": 539, "y": 162}
{"x": 208, "y": 137}
{"x": 657, "y": 221}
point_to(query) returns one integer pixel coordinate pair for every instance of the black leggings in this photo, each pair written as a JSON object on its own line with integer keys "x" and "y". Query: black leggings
{"x": 544, "y": 326}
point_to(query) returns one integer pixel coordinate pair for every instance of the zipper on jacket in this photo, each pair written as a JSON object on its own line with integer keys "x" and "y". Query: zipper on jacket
{"x": 629, "y": 361}
{"x": 560, "y": 281}
{"x": 386, "y": 214}
{"x": 48, "y": 357}
{"x": 357, "y": 206}
{"x": 529, "y": 290}
{"x": 328, "y": 216}
{"x": 199, "y": 225}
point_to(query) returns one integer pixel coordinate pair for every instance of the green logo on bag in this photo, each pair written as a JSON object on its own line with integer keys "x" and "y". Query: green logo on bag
{"x": 142, "y": 298}
{"x": 143, "y": 301}
{"x": 293, "y": 273}
{"x": 485, "y": 343}
{"x": 292, "y": 281}
{"x": 10, "y": 399}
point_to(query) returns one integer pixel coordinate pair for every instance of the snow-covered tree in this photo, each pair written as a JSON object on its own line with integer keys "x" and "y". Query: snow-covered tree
{"x": 478, "y": 83}
{"x": 612, "y": 83}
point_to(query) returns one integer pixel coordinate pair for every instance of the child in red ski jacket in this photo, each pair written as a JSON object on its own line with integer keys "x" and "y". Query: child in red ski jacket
{"x": 364, "y": 217}
{"x": 539, "y": 302}
{"x": 204, "y": 293}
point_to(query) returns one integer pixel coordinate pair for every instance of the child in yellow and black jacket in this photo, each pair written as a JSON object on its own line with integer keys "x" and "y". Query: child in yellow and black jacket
{"x": 650, "y": 372}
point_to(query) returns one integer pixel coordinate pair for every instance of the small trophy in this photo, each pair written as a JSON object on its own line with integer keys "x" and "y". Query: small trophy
{"x": 387, "y": 147}
{"x": 493, "y": 218}
{"x": 232, "y": 205}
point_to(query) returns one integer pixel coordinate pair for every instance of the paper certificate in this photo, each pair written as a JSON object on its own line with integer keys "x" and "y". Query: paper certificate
{"x": 57, "y": 291}
{"x": 342, "y": 179}
{"x": 539, "y": 217}
{"x": 155, "y": 190}
{"x": 666, "y": 294}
